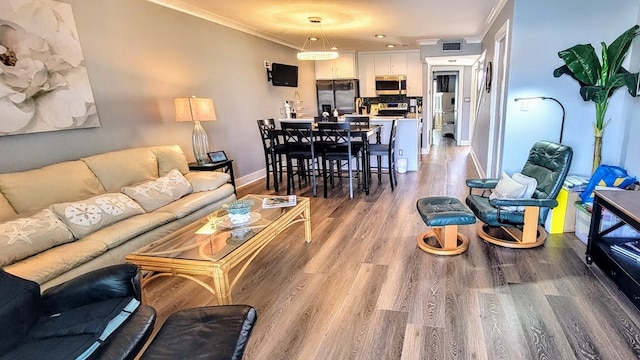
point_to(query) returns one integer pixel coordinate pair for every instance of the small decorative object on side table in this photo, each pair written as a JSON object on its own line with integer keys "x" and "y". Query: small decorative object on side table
{"x": 226, "y": 165}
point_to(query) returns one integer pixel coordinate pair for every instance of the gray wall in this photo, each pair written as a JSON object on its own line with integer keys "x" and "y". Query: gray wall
{"x": 140, "y": 56}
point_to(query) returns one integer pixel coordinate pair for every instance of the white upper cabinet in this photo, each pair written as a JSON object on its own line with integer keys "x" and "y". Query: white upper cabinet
{"x": 406, "y": 63}
{"x": 391, "y": 63}
{"x": 367, "y": 74}
{"x": 414, "y": 74}
{"x": 344, "y": 67}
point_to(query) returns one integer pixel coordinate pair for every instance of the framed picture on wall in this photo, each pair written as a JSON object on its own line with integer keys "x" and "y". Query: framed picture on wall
{"x": 217, "y": 156}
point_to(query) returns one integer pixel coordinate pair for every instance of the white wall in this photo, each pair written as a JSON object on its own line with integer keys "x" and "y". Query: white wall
{"x": 540, "y": 29}
{"x": 140, "y": 56}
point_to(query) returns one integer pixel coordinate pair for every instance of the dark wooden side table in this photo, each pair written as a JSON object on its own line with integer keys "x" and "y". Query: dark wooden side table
{"x": 226, "y": 165}
{"x": 623, "y": 270}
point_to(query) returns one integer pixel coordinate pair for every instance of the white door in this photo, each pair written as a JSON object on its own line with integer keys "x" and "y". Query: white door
{"x": 496, "y": 127}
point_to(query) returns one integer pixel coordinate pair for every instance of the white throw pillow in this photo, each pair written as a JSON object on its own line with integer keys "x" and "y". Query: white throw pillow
{"x": 90, "y": 215}
{"x": 157, "y": 193}
{"x": 529, "y": 182}
{"x": 23, "y": 237}
{"x": 507, "y": 188}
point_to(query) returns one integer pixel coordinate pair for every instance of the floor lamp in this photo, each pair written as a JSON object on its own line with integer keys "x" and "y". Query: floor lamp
{"x": 196, "y": 110}
{"x": 547, "y": 98}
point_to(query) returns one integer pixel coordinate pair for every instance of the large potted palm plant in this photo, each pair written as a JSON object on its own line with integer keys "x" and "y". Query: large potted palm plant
{"x": 598, "y": 81}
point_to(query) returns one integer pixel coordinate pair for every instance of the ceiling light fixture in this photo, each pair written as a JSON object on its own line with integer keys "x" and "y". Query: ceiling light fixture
{"x": 323, "y": 54}
{"x": 380, "y": 36}
{"x": 390, "y": 46}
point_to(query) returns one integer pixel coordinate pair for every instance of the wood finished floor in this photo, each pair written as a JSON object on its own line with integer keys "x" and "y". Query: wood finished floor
{"x": 364, "y": 290}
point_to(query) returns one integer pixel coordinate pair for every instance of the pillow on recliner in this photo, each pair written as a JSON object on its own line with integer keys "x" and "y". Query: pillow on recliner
{"x": 529, "y": 182}
{"x": 507, "y": 188}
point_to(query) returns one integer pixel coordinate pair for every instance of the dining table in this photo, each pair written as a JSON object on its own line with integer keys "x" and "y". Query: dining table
{"x": 364, "y": 132}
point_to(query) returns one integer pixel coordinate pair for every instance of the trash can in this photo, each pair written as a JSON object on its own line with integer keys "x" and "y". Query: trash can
{"x": 402, "y": 165}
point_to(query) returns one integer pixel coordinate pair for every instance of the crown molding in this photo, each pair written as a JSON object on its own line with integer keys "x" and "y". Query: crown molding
{"x": 492, "y": 17}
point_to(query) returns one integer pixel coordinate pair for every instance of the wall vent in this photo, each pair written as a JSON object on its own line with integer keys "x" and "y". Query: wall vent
{"x": 452, "y": 46}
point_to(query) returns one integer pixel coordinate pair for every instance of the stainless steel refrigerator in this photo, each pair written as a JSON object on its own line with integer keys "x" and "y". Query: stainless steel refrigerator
{"x": 337, "y": 94}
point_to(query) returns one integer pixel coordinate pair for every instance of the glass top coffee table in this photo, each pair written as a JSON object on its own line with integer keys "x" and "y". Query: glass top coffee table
{"x": 213, "y": 245}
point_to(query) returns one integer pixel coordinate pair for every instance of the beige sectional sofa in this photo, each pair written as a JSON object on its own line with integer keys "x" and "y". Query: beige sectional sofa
{"x": 65, "y": 219}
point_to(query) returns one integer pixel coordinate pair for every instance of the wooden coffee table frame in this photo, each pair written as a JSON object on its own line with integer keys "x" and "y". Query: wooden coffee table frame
{"x": 154, "y": 266}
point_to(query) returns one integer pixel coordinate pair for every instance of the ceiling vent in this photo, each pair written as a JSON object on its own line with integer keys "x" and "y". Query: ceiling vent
{"x": 452, "y": 46}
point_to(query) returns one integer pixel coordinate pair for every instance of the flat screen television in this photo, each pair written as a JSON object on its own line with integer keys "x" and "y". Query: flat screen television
{"x": 284, "y": 75}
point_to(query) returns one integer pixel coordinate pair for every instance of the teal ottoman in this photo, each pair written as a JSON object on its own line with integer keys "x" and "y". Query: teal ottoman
{"x": 443, "y": 214}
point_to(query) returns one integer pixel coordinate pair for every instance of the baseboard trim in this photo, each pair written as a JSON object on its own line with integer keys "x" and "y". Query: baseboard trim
{"x": 250, "y": 178}
{"x": 476, "y": 163}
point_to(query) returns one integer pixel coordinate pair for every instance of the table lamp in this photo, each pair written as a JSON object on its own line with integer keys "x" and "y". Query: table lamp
{"x": 196, "y": 110}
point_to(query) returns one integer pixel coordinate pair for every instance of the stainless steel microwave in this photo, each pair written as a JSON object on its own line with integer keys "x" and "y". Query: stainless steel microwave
{"x": 391, "y": 85}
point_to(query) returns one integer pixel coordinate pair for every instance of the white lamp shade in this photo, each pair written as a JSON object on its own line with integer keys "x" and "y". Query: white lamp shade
{"x": 194, "y": 109}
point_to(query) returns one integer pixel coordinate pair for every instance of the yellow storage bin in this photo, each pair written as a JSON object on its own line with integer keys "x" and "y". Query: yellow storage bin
{"x": 563, "y": 217}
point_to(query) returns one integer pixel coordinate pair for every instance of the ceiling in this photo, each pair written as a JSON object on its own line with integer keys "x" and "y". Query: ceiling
{"x": 350, "y": 24}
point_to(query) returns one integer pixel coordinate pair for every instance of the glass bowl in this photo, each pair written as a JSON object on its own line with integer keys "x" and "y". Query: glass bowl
{"x": 238, "y": 207}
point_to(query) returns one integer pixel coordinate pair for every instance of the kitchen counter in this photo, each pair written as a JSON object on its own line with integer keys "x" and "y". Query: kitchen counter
{"x": 389, "y": 118}
{"x": 408, "y": 136}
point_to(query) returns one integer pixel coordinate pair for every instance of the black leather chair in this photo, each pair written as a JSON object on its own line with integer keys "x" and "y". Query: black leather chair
{"x": 96, "y": 315}
{"x": 336, "y": 145}
{"x": 388, "y": 150}
{"x": 273, "y": 151}
{"x": 210, "y": 332}
{"x": 549, "y": 164}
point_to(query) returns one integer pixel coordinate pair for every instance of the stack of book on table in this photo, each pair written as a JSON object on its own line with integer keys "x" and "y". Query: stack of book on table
{"x": 629, "y": 249}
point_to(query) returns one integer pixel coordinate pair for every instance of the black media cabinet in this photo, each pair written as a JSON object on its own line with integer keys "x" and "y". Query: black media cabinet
{"x": 623, "y": 270}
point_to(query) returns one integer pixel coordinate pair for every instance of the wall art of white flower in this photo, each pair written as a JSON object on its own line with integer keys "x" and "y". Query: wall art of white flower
{"x": 44, "y": 85}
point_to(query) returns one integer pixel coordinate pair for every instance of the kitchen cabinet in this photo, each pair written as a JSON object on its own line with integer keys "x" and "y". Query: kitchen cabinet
{"x": 367, "y": 74}
{"x": 414, "y": 74}
{"x": 344, "y": 67}
{"x": 391, "y": 63}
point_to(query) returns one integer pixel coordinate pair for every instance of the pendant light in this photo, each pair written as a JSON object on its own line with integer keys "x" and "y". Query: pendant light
{"x": 321, "y": 54}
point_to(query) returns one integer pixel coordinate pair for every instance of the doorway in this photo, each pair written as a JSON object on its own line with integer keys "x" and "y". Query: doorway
{"x": 445, "y": 105}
